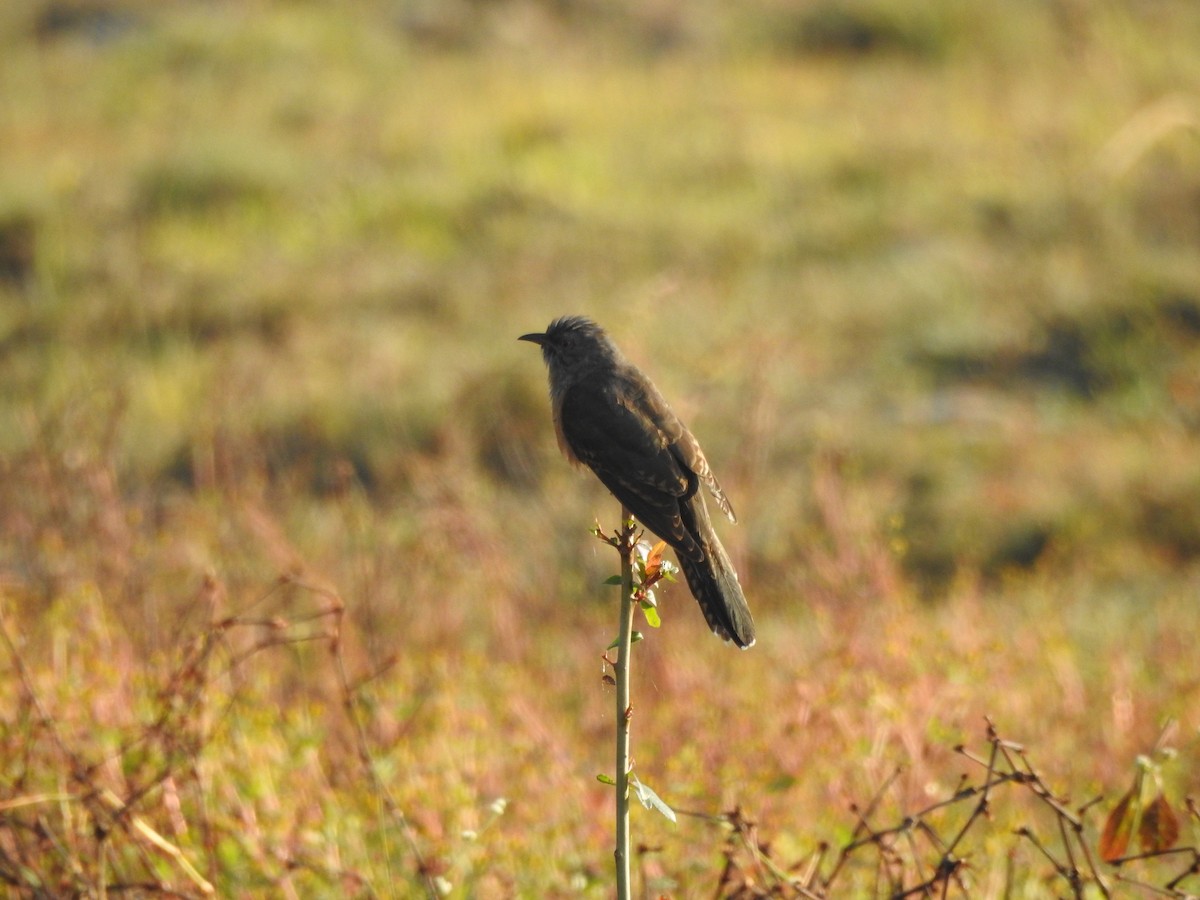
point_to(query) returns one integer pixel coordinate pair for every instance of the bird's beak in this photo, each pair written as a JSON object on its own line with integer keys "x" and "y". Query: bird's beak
{"x": 535, "y": 338}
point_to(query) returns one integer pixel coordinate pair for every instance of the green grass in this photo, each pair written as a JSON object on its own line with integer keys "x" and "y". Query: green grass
{"x": 921, "y": 277}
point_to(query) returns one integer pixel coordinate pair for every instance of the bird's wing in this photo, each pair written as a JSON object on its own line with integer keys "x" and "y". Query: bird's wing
{"x": 648, "y": 402}
{"x": 633, "y": 459}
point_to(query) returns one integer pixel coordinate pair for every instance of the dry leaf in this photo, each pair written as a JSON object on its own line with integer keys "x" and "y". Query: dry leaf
{"x": 654, "y": 559}
{"x": 1160, "y": 826}
{"x": 1118, "y": 828}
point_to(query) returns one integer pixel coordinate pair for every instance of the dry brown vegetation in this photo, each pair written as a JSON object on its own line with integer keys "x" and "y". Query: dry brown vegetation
{"x": 298, "y": 598}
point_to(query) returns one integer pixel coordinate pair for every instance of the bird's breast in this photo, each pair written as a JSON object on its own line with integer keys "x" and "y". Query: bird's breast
{"x": 556, "y": 405}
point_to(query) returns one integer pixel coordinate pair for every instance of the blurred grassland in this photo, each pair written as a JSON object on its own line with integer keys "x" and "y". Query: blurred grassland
{"x": 924, "y": 278}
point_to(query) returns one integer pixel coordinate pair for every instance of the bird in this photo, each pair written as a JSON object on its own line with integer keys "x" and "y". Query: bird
{"x": 611, "y": 418}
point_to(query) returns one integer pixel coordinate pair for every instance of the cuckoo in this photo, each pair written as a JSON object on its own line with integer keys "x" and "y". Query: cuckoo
{"x": 611, "y": 418}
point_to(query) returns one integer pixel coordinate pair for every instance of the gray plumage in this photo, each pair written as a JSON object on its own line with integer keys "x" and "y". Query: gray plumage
{"x": 611, "y": 418}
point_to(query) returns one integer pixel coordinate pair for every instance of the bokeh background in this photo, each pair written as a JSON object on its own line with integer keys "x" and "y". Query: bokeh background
{"x": 290, "y": 564}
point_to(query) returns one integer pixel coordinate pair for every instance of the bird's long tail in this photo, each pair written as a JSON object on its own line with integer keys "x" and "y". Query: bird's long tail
{"x": 714, "y": 584}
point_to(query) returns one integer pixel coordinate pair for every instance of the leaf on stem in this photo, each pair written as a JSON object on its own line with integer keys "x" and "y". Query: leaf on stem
{"x": 650, "y": 799}
{"x": 637, "y": 636}
{"x": 1118, "y": 827}
{"x": 1159, "y": 829}
{"x": 654, "y": 559}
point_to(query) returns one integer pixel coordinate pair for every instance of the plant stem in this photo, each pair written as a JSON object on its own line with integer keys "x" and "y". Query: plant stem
{"x": 624, "y": 645}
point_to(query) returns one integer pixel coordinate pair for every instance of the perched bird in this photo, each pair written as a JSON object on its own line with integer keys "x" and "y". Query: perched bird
{"x": 610, "y": 417}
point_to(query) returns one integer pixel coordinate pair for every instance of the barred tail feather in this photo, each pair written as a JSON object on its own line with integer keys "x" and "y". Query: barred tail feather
{"x": 715, "y": 586}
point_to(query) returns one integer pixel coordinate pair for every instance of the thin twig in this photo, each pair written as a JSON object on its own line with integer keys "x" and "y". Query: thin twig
{"x": 621, "y": 854}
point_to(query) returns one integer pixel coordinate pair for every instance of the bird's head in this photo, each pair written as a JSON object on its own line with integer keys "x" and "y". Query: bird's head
{"x": 574, "y": 345}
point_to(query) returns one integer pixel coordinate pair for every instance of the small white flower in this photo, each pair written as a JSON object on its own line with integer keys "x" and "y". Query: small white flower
{"x": 498, "y": 806}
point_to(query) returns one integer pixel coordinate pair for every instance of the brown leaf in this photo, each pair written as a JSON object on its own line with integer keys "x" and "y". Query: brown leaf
{"x": 1118, "y": 828}
{"x": 654, "y": 559}
{"x": 1160, "y": 826}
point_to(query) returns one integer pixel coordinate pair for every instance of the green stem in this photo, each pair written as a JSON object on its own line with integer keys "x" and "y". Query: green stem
{"x": 624, "y": 645}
